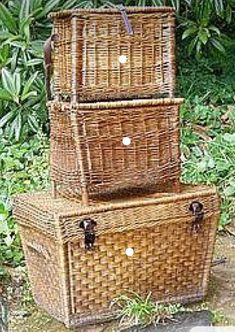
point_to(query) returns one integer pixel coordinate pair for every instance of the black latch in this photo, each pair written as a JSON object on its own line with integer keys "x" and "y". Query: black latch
{"x": 88, "y": 225}
{"x": 197, "y": 210}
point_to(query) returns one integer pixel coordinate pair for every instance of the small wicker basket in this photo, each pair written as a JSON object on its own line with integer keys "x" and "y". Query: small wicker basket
{"x": 171, "y": 249}
{"x": 96, "y": 58}
{"x": 105, "y": 147}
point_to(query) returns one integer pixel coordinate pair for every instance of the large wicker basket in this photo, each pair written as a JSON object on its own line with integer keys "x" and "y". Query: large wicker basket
{"x": 105, "y": 147}
{"x": 95, "y": 58}
{"x": 171, "y": 253}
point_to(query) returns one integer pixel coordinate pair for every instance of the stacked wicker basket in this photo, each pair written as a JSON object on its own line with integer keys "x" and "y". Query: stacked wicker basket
{"x": 117, "y": 218}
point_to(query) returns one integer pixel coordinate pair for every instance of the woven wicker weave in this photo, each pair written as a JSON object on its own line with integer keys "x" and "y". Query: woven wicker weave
{"x": 76, "y": 286}
{"x": 89, "y": 44}
{"x": 88, "y": 154}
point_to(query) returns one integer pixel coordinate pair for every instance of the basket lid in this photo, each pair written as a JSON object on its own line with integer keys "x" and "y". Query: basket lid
{"x": 112, "y": 10}
{"x": 59, "y": 218}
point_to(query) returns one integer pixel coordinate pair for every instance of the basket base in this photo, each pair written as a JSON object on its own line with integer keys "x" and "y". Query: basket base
{"x": 109, "y": 315}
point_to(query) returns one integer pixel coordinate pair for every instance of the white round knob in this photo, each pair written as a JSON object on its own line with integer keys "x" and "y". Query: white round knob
{"x": 126, "y": 140}
{"x": 129, "y": 252}
{"x": 122, "y": 58}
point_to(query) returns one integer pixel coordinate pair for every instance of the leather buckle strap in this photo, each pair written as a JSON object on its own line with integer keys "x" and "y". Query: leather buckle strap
{"x": 48, "y": 62}
{"x": 126, "y": 20}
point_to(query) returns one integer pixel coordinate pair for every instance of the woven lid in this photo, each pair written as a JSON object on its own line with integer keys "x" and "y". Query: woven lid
{"x": 130, "y": 10}
{"x": 60, "y": 217}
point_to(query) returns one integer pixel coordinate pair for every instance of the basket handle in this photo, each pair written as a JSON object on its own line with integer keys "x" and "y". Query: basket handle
{"x": 198, "y": 215}
{"x": 47, "y": 50}
{"x": 125, "y": 19}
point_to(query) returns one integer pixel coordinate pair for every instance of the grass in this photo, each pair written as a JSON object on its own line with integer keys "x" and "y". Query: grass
{"x": 135, "y": 310}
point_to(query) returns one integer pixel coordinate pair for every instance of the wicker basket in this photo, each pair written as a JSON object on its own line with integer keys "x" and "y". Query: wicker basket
{"x": 171, "y": 256}
{"x": 105, "y": 147}
{"x": 95, "y": 58}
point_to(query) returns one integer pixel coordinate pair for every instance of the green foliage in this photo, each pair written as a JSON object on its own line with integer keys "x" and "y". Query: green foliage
{"x": 135, "y": 310}
{"x": 23, "y": 167}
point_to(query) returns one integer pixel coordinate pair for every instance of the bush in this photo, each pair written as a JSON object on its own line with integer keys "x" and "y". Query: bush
{"x": 23, "y": 167}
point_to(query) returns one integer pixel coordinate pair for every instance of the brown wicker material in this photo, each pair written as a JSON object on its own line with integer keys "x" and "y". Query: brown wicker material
{"x": 76, "y": 286}
{"x": 87, "y": 151}
{"x": 90, "y": 42}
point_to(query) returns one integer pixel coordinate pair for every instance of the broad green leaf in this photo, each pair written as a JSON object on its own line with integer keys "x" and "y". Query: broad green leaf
{"x": 6, "y": 118}
{"x": 5, "y": 95}
{"x": 24, "y": 9}
{"x": 33, "y": 122}
{"x": 49, "y": 6}
{"x": 25, "y": 27}
{"x": 17, "y": 126}
{"x": 215, "y": 29}
{"x": 28, "y": 95}
{"x": 203, "y": 36}
{"x": 7, "y": 19}
{"x": 34, "y": 62}
{"x": 8, "y": 81}
{"x": 29, "y": 84}
{"x": 217, "y": 44}
{"x": 5, "y": 35}
{"x": 17, "y": 83}
{"x": 189, "y": 32}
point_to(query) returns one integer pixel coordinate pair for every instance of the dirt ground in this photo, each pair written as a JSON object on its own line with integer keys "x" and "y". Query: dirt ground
{"x": 220, "y": 299}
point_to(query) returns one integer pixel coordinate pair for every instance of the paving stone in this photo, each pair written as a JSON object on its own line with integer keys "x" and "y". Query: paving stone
{"x": 184, "y": 323}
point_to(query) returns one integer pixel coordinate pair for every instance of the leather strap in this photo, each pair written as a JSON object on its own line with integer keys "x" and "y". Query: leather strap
{"x": 126, "y": 20}
{"x": 48, "y": 63}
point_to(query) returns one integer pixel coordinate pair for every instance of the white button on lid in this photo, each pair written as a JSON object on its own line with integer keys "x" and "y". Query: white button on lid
{"x": 122, "y": 58}
{"x": 129, "y": 252}
{"x": 126, "y": 140}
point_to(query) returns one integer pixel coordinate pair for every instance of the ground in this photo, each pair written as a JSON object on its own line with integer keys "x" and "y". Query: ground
{"x": 220, "y": 299}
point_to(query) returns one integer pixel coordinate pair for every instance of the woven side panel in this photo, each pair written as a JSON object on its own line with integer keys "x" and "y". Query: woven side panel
{"x": 151, "y": 158}
{"x": 101, "y": 39}
{"x": 43, "y": 264}
{"x": 172, "y": 268}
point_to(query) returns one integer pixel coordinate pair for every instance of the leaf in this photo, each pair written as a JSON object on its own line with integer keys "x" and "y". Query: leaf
{"x": 17, "y": 83}
{"x": 50, "y": 5}
{"x": 7, "y": 19}
{"x": 7, "y": 117}
{"x": 34, "y": 62}
{"x": 5, "y": 35}
{"x": 215, "y": 29}
{"x": 29, "y": 94}
{"x": 24, "y": 9}
{"x": 17, "y": 126}
{"x": 5, "y": 95}
{"x": 203, "y": 36}
{"x": 25, "y": 27}
{"x": 8, "y": 81}
{"x": 29, "y": 84}
{"x": 189, "y": 32}
{"x": 216, "y": 43}
{"x": 33, "y": 122}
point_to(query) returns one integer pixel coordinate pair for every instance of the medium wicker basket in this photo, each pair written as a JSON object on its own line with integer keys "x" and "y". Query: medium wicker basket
{"x": 171, "y": 257}
{"x": 96, "y": 58}
{"x": 105, "y": 147}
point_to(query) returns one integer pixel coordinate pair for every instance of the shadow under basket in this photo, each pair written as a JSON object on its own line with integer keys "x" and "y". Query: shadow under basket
{"x": 158, "y": 243}
{"x": 105, "y": 147}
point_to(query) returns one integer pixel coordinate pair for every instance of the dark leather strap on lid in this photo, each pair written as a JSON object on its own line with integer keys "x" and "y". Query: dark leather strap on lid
{"x": 48, "y": 63}
{"x": 126, "y": 20}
